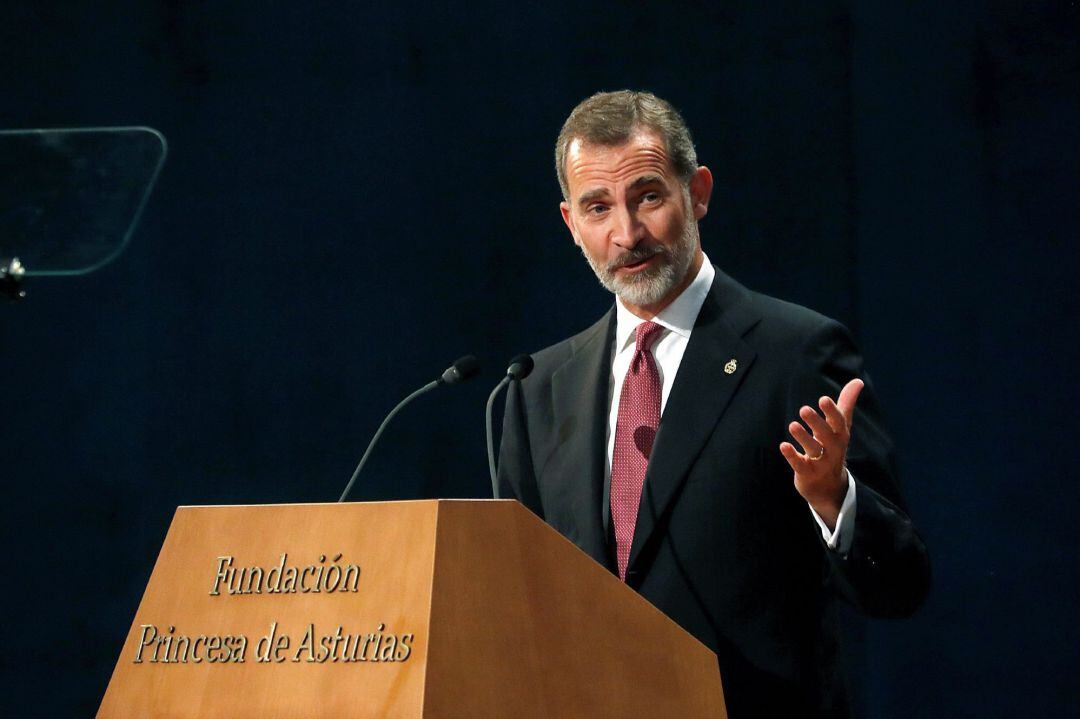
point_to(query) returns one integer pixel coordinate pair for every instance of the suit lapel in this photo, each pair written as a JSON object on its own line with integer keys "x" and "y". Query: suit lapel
{"x": 702, "y": 390}
{"x": 580, "y": 404}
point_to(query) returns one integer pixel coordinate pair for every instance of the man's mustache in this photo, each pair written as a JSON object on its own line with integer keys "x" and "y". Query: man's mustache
{"x": 638, "y": 254}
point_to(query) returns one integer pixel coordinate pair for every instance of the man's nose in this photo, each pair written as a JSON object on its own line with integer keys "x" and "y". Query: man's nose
{"x": 628, "y": 231}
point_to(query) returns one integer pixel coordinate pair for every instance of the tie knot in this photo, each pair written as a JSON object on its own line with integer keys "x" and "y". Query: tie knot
{"x": 647, "y": 334}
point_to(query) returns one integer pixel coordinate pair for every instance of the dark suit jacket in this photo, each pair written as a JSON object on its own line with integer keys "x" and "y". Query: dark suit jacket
{"x": 724, "y": 545}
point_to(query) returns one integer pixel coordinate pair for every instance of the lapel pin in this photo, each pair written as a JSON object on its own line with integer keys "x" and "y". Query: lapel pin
{"x": 731, "y": 366}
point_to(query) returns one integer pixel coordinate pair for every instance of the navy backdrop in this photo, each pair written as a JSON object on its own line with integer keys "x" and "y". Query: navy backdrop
{"x": 356, "y": 194}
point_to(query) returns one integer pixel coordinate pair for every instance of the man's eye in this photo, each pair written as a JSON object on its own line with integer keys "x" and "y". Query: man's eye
{"x": 650, "y": 197}
{"x": 597, "y": 209}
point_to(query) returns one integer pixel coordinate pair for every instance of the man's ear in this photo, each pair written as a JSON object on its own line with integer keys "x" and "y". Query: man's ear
{"x": 568, "y": 218}
{"x": 701, "y": 185}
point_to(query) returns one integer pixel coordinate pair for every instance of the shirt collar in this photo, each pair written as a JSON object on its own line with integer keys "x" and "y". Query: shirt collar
{"x": 677, "y": 317}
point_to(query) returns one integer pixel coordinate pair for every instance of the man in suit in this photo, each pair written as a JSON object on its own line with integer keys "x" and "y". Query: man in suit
{"x": 658, "y": 439}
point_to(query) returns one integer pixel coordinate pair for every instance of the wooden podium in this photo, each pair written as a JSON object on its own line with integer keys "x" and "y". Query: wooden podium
{"x": 441, "y": 608}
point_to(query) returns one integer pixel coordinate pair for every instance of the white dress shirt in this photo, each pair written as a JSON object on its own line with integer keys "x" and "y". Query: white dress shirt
{"x": 678, "y": 321}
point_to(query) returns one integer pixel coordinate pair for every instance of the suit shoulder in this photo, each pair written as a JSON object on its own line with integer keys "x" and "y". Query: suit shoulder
{"x": 793, "y": 336}
{"x": 550, "y": 358}
{"x": 792, "y": 321}
{"x": 746, "y": 310}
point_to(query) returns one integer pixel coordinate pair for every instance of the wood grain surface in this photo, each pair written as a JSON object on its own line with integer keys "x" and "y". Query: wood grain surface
{"x": 393, "y": 542}
{"x": 507, "y": 617}
{"x": 524, "y": 624}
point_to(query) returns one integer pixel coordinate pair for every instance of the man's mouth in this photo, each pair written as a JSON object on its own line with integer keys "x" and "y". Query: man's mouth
{"x": 637, "y": 261}
{"x": 638, "y": 264}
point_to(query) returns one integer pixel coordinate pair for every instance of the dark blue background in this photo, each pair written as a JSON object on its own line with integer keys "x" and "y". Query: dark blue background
{"x": 357, "y": 194}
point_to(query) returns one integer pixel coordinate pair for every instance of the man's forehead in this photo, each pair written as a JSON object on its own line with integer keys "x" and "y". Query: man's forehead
{"x": 643, "y": 153}
{"x": 643, "y": 141}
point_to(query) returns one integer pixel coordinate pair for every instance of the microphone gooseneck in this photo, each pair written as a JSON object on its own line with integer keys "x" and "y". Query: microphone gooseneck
{"x": 519, "y": 369}
{"x": 464, "y": 368}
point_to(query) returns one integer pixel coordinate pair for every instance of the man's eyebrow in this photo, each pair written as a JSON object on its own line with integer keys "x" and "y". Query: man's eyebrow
{"x": 646, "y": 180}
{"x": 592, "y": 195}
{"x": 599, "y": 192}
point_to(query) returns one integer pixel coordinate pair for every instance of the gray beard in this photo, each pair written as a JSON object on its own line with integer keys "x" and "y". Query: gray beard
{"x": 653, "y": 284}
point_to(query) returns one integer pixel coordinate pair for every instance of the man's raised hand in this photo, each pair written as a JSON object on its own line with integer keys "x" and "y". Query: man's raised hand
{"x": 819, "y": 469}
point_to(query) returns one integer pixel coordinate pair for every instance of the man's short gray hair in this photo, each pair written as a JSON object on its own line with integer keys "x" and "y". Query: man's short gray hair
{"x": 610, "y": 118}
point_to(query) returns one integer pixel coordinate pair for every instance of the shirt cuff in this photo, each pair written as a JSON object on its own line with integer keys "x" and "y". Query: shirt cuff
{"x": 839, "y": 539}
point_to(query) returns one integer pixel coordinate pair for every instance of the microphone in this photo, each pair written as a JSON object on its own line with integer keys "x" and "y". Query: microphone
{"x": 519, "y": 369}
{"x": 464, "y": 368}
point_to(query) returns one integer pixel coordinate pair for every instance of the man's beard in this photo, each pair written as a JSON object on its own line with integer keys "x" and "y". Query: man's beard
{"x": 652, "y": 284}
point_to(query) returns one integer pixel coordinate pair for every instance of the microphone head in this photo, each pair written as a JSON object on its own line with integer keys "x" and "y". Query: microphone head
{"x": 464, "y": 368}
{"x": 520, "y": 367}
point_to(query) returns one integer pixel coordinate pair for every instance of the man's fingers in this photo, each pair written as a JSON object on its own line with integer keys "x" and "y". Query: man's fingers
{"x": 823, "y": 433}
{"x": 794, "y": 459}
{"x": 846, "y": 401}
{"x": 810, "y": 446}
{"x": 833, "y": 416}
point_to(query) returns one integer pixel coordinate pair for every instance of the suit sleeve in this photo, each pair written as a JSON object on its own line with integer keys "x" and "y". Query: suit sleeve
{"x": 516, "y": 477}
{"x": 886, "y": 572}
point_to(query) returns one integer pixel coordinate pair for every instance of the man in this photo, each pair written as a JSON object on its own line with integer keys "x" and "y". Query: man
{"x": 658, "y": 439}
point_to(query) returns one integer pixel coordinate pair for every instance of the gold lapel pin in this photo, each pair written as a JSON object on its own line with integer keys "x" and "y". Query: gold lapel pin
{"x": 731, "y": 366}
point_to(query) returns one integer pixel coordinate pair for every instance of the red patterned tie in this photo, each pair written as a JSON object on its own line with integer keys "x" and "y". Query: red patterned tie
{"x": 635, "y": 429}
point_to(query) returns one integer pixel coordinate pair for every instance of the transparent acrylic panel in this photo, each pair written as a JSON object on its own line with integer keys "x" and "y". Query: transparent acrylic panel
{"x": 70, "y": 199}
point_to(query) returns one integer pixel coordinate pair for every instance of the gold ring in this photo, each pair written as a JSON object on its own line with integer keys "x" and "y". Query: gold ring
{"x": 820, "y": 455}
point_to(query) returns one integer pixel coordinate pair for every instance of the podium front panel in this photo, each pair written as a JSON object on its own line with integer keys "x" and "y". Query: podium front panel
{"x": 283, "y": 611}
